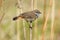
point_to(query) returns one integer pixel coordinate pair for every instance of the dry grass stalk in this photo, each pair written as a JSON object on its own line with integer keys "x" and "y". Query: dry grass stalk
{"x": 32, "y": 8}
{"x": 35, "y": 29}
{"x": 32, "y": 4}
{"x": 52, "y": 20}
{"x": 45, "y": 26}
{"x": 44, "y": 20}
{"x": 18, "y": 24}
{"x": 0, "y": 3}
{"x": 2, "y": 17}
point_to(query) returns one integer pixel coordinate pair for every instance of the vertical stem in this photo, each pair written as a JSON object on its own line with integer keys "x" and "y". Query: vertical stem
{"x": 35, "y": 4}
{"x": 44, "y": 20}
{"x": 20, "y": 31}
{"x": 30, "y": 31}
{"x": 27, "y": 31}
{"x": 2, "y": 9}
{"x": 32, "y": 8}
{"x": 44, "y": 11}
{"x": 45, "y": 26}
{"x": 0, "y": 3}
{"x": 52, "y": 19}
{"x": 32, "y": 4}
{"x": 35, "y": 24}
{"x": 2, "y": 17}
{"x": 34, "y": 29}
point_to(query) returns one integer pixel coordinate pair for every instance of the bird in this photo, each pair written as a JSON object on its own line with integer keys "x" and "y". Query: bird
{"x": 29, "y": 16}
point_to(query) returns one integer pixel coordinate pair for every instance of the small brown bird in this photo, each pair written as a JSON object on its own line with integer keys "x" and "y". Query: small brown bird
{"x": 29, "y": 16}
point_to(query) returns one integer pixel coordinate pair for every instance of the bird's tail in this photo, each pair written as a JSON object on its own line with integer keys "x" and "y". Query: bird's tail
{"x": 15, "y": 18}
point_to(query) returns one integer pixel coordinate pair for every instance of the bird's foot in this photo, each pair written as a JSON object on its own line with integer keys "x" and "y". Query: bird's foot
{"x": 30, "y": 27}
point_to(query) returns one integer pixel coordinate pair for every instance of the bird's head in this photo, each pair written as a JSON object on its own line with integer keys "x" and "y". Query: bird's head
{"x": 37, "y": 11}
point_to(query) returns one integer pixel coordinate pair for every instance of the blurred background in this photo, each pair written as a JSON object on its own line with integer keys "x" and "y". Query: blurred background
{"x": 19, "y": 30}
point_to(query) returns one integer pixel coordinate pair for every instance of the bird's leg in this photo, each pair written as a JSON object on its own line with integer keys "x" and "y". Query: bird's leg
{"x": 30, "y": 24}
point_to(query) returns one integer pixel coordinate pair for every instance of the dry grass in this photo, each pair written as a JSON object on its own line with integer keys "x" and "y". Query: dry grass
{"x": 11, "y": 30}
